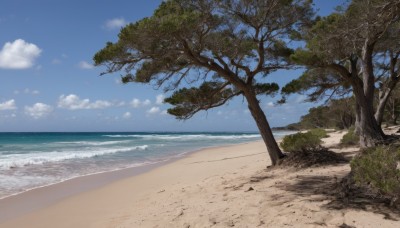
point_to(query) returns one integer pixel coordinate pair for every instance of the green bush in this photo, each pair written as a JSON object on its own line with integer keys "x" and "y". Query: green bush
{"x": 379, "y": 168}
{"x": 300, "y": 142}
{"x": 350, "y": 138}
{"x": 321, "y": 133}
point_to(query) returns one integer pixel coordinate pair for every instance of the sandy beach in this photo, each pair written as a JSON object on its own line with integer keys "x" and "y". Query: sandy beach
{"x": 218, "y": 187}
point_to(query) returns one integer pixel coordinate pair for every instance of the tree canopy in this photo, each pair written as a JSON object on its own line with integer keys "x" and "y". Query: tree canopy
{"x": 343, "y": 54}
{"x": 221, "y": 48}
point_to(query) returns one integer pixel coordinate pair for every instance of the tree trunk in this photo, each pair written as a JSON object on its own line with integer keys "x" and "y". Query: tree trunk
{"x": 380, "y": 110}
{"x": 274, "y": 151}
{"x": 369, "y": 131}
{"x": 358, "y": 119}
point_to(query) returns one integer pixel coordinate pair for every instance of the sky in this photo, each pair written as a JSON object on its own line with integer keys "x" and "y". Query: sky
{"x": 48, "y": 81}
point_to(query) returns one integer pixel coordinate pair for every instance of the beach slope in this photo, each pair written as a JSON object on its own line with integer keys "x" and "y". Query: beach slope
{"x": 217, "y": 187}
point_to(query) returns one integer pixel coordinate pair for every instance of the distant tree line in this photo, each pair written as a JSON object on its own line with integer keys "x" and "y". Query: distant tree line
{"x": 340, "y": 114}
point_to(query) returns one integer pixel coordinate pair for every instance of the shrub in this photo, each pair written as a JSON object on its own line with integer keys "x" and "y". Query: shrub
{"x": 350, "y": 138}
{"x": 300, "y": 142}
{"x": 378, "y": 167}
{"x": 321, "y": 133}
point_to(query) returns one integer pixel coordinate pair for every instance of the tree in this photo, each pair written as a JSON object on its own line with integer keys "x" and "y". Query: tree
{"x": 335, "y": 114}
{"x": 388, "y": 68}
{"x": 340, "y": 52}
{"x": 223, "y": 48}
{"x": 393, "y": 107}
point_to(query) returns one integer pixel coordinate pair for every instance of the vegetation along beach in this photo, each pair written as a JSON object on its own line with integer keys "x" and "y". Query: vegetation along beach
{"x": 200, "y": 113}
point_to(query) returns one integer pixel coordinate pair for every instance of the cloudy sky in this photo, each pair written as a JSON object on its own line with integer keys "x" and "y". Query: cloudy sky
{"x": 48, "y": 82}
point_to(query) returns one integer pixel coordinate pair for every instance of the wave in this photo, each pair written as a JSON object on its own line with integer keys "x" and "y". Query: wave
{"x": 91, "y": 143}
{"x": 187, "y": 137}
{"x": 38, "y": 158}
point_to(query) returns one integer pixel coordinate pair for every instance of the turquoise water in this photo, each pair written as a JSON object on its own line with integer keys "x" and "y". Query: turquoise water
{"x": 30, "y": 160}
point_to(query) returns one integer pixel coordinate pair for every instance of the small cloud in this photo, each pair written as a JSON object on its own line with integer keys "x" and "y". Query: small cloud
{"x": 118, "y": 81}
{"x": 27, "y": 91}
{"x": 153, "y": 110}
{"x": 85, "y": 65}
{"x": 73, "y": 102}
{"x": 164, "y": 112}
{"x": 38, "y": 110}
{"x": 115, "y": 23}
{"x": 120, "y": 103}
{"x": 271, "y": 104}
{"x": 135, "y": 103}
{"x": 160, "y": 99}
{"x": 8, "y": 105}
{"x": 18, "y": 55}
{"x": 146, "y": 102}
{"x": 219, "y": 113}
{"x": 127, "y": 115}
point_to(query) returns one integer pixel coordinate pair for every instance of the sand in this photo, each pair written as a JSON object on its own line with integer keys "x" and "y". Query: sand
{"x": 218, "y": 187}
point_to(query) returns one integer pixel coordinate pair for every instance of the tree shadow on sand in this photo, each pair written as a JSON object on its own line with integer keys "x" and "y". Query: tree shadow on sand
{"x": 343, "y": 194}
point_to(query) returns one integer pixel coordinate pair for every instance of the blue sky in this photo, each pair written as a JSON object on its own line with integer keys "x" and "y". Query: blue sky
{"x": 48, "y": 83}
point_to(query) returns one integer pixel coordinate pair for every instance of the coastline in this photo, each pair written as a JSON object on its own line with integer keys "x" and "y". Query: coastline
{"x": 14, "y": 206}
{"x": 217, "y": 187}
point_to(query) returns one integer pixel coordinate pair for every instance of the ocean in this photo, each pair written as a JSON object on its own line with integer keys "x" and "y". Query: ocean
{"x": 31, "y": 160}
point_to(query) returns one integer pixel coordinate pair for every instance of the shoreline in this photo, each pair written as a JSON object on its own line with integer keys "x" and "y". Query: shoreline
{"x": 216, "y": 187}
{"x": 39, "y": 198}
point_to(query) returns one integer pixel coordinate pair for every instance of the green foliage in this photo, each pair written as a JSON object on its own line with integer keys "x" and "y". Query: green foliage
{"x": 350, "y": 138}
{"x": 229, "y": 45}
{"x": 319, "y": 132}
{"x": 266, "y": 88}
{"x": 379, "y": 168}
{"x": 338, "y": 114}
{"x": 301, "y": 142}
{"x": 188, "y": 101}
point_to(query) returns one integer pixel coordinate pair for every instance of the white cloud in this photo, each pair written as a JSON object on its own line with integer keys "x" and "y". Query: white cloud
{"x": 118, "y": 81}
{"x": 38, "y": 110}
{"x": 85, "y": 65}
{"x": 8, "y": 105}
{"x": 27, "y": 91}
{"x": 127, "y": 115}
{"x": 146, "y": 102}
{"x": 18, "y": 55}
{"x": 160, "y": 99}
{"x": 271, "y": 104}
{"x": 115, "y": 23}
{"x": 153, "y": 110}
{"x": 136, "y": 103}
{"x": 99, "y": 104}
{"x": 73, "y": 102}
